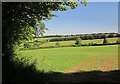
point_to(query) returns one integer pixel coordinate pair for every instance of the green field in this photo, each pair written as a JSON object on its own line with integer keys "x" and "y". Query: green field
{"x": 74, "y": 58}
{"x": 43, "y": 39}
{"x": 63, "y": 43}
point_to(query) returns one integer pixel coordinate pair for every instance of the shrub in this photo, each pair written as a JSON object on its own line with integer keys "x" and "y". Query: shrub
{"x": 90, "y": 44}
{"x": 36, "y": 45}
{"x": 57, "y": 44}
{"x": 78, "y": 41}
{"x": 36, "y": 41}
{"x": 105, "y": 41}
{"x": 118, "y": 41}
{"x": 28, "y": 45}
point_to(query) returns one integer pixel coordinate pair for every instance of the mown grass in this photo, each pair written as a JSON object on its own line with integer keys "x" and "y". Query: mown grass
{"x": 61, "y": 59}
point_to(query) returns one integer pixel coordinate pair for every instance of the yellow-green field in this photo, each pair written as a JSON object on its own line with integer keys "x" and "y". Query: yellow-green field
{"x": 63, "y": 43}
{"x": 72, "y": 59}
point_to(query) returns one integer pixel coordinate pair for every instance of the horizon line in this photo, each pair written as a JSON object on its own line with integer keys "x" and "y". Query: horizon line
{"x": 79, "y": 33}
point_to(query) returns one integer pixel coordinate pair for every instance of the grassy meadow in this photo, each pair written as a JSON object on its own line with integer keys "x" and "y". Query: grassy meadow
{"x": 63, "y": 43}
{"x": 68, "y": 59}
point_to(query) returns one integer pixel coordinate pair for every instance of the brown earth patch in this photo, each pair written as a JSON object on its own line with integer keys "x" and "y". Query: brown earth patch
{"x": 88, "y": 65}
{"x": 108, "y": 65}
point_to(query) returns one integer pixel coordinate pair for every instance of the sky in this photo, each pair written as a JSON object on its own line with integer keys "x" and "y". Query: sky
{"x": 96, "y": 17}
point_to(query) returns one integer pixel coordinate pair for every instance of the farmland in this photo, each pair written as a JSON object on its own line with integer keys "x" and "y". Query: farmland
{"x": 70, "y": 59}
{"x": 63, "y": 43}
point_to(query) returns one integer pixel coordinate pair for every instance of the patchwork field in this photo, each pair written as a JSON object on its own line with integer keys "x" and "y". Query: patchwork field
{"x": 63, "y": 43}
{"x": 73, "y": 59}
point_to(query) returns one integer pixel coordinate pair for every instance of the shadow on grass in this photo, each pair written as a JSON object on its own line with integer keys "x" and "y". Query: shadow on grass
{"x": 17, "y": 74}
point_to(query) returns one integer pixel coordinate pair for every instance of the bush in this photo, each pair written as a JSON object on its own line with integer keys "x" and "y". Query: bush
{"x": 36, "y": 45}
{"x": 105, "y": 41}
{"x": 90, "y": 44}
{"x": 57, "y": 44}
{"x": 28, "y": 45}
{"x": 118, "y": 41}
{"x": 32, "y": 45}
{"x": 78, "y": 41}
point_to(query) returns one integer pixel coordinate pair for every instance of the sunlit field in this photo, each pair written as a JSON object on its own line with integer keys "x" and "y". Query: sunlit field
{"x": 63, "y": 43}
{"x": 73, "y": 59}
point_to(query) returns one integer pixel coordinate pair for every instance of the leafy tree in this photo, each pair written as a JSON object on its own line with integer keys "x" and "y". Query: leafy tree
{"x": 57, "y": 44}
{"x": 78, "y": 41}
{"x": 40, "y": 29}
{"x": 102, "y": 36}
{"x": 105, "y": 41}
{"x": 111, "y": 35}
{"x": 19, "y": 20}
{"x": 117, "y": 35}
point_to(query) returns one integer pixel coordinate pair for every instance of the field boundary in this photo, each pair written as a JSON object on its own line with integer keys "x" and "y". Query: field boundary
{"x": 70, "y": 46}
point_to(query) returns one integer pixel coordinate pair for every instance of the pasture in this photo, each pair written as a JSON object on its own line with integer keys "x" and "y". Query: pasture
{"x": 64, "y": 43}
{"x": 73, "y": 59}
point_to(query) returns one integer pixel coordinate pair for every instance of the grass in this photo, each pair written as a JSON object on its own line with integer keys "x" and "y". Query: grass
{"x": 44, "y": 39}
{"x": 99, "y": 41}
{"x": 63, "y": 59}
{"x": 63, "y": 43}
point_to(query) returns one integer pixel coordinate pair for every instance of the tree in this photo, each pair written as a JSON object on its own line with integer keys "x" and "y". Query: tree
{"x": 111, "y": 35}
{"x": 40, "y": 29}
{"x": 78, "y": 41}
{"x": 19, "y": 20}
{"x": 105, "y": 41}
{"x": 117, "y": 35}
{"x": 102, "y": 36}
{"x": 57, "y": 44}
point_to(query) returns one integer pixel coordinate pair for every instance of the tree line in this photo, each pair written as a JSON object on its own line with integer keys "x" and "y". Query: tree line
{"x": 82, "y": 36}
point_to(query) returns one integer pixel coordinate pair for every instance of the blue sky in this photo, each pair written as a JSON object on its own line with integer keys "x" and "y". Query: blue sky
{"x": 94, "y": 18}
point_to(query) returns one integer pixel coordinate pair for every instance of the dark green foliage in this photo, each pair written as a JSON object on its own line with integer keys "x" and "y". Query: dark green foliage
{"x": 90, "y": 44}
{"x": 103, "y": 36}
{"x": 82, "y": 36}
{"x": 57, "y": 44}
{"x": 117, "y": 35}
{"x": 36, "y": 44}
{"x": 111, "y": 35}
{"x": 32, "y": 45}
{"x": 27, "y": 45}
{"x": 62, "y": 39}
{"x": 78, "y": 41}
{"x": 105, "y": 41}
{"x": 40, "y": 29}
{"x": 20, "y": 19}
{"x": 21, "y": 72}
{"x": 87, "y": 36}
